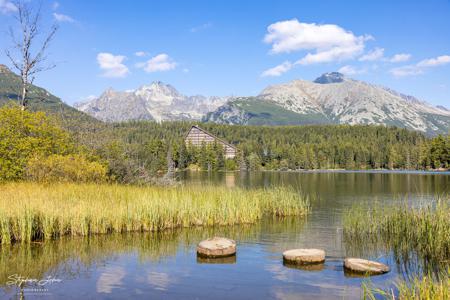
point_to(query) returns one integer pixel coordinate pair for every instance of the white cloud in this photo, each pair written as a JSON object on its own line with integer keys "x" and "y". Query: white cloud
{"x": 63, "y": 18}
{"x": 401, "y": 57}
{"x": 141, "y": 53}
{"x": 418, "y": 68}
{"x": 185, "y": 70}
{"x": 55, "y": 5}
{"x": 112, "y": 65}
{"x": 160, "y": 281}
{"x": 7, "y": 6}
{"x": 433, "y": 62}
{"x": 277, "y": 70}
{"x": 110, "y": 279}
{"x": 373, "y": 55}
{"x": 160, "y": 62}
{"x": 350, "y": 70}
{"x": 329, "y": 42}
{"x": 201, "y": 27}
{"x": 406, "y": 71}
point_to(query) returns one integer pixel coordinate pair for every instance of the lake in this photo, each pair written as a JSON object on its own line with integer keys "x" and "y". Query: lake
{"x": 165, "y": 266}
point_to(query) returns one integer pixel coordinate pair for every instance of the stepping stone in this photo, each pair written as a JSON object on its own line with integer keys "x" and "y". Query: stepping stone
{"x": 227, "y": 260}
{"x": 304, "y": 256}
{"x": 216, "y": 247}
{"x": 365, "y": 267}
{"x": 307, "y": 267}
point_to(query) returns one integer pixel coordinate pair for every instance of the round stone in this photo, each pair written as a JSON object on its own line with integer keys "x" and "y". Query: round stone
{"x": 365, "y": 267}
{"x": 216, "y": 247}
{"x": 226, "y": 260}
{"x": 305, "y": 267}
{"x": 304, "y": 256}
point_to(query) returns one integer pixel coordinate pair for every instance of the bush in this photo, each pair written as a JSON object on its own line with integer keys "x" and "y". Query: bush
{"x": 230, "y": 165}
{"x": 65, "y": 168}
{"x": 24, "y": 134}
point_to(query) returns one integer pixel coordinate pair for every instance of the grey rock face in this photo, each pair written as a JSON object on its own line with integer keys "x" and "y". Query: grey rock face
{"x": 331, "y": 98}
{"x": 346, "y": 101}
{"x": 157, "y": 101}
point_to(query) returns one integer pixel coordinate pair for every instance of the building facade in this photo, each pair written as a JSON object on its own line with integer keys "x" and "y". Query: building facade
{"x": 197, "y": 136}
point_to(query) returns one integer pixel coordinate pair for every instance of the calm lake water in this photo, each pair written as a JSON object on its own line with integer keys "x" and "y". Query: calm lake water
{"x": 165, "y": 266}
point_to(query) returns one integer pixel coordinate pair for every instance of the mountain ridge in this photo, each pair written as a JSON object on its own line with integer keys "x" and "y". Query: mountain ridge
{"x": 330, "y": 99}
{"x": 156, "y": 101}
{"x": 338, "y": 99}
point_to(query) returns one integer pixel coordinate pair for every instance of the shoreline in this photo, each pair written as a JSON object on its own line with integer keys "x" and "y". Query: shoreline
{"x": 368, "y": 171}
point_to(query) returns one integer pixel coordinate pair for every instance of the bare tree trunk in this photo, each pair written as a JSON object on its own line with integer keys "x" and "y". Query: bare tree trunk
{"x": 23, "y": 96}
{"x": 20, "y": 55}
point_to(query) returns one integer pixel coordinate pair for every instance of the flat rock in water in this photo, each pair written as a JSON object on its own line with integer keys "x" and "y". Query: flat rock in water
{"x": 216, "y": 247}
{"x": 225, "y": 260}
{"x": 364, "y": 266}
{"x": 304, "y": 256}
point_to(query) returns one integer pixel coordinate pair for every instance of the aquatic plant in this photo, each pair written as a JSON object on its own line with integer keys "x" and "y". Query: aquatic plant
{"x": 30, "y": 211}
{"x": 425, "y": 288}
{"x": 422, "y": 232}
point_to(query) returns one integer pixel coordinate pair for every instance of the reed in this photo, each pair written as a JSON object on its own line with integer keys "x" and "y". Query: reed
{"x": 425, "y": 288}
{"x": 423, "y": 231}
{"x": 30, "y": 211}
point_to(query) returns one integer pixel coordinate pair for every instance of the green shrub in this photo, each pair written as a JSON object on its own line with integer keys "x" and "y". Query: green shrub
{"x": 24, "y": 134}
{"x": 65, "y": 168}
{"x": 230, "y": 165}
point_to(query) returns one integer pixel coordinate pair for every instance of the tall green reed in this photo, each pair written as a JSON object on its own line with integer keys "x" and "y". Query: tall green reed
{"x": 30, "y": 211}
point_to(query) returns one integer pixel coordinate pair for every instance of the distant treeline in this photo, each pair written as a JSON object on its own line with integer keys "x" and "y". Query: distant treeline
{"x": 137, "y": 151}
{"x": 147, "y": 146}
{"x": 291, "y": 147}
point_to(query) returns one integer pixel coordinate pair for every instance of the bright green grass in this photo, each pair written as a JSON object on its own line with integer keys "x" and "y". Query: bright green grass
{"x": 30, "y": 211}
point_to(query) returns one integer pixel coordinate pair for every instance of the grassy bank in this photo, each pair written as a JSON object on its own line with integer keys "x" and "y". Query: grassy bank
{"x": 30, "y": 212}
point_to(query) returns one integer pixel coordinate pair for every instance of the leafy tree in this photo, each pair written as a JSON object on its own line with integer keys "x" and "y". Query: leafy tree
{"x": 66, "y": 168}
{"x": 254, "y": 162}
{"x": 25, "y": 134}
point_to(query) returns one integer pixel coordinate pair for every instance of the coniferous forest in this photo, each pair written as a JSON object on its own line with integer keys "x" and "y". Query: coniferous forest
{"x": 289, "y": 147}
{"x": 136, "y": 151}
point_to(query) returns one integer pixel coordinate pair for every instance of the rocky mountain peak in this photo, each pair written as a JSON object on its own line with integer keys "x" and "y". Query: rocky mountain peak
{"x": 158, "y": 87}
{"x": 109, "y": 91}
{"x": 297, "y": 102}
{"x": 331, "y": 77}
{"x": 155, "y": 101}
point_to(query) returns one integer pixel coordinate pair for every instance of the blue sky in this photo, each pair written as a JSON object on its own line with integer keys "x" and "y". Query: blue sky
{"x": 236, "y": 48}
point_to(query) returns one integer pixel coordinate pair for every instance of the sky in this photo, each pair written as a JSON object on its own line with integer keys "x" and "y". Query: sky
{"x": 224, "y": 48}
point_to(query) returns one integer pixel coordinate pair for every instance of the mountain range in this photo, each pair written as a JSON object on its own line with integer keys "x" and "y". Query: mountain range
{"x": 330, "y": 99}
{"x": 157, "y": 101}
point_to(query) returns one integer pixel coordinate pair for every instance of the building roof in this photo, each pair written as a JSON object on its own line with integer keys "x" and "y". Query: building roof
{"x": 217, "y": 138}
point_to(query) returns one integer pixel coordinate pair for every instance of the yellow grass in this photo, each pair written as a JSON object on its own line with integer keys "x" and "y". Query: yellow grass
{"x": 30, "y": 211}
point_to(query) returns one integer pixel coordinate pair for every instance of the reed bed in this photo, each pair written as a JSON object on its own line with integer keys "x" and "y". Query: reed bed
{"x": 30, "y": 211}
{"x": 423, "y": 231}
{"x": 424, "y": 288}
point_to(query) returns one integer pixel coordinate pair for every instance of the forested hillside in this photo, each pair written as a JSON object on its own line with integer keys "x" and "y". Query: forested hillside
{"x": 288, "y": 147}
{"x": 136, "y": 151}
{"x": 41, "y": 100}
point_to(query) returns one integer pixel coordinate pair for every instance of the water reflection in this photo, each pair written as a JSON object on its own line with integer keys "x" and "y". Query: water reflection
{"x": 71, "y": 258}
{"x": 109, "y": 279}
{"x": 218, "y": 260}
{"x": 349, "y": 183}
{"x": 165, "y": 265}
